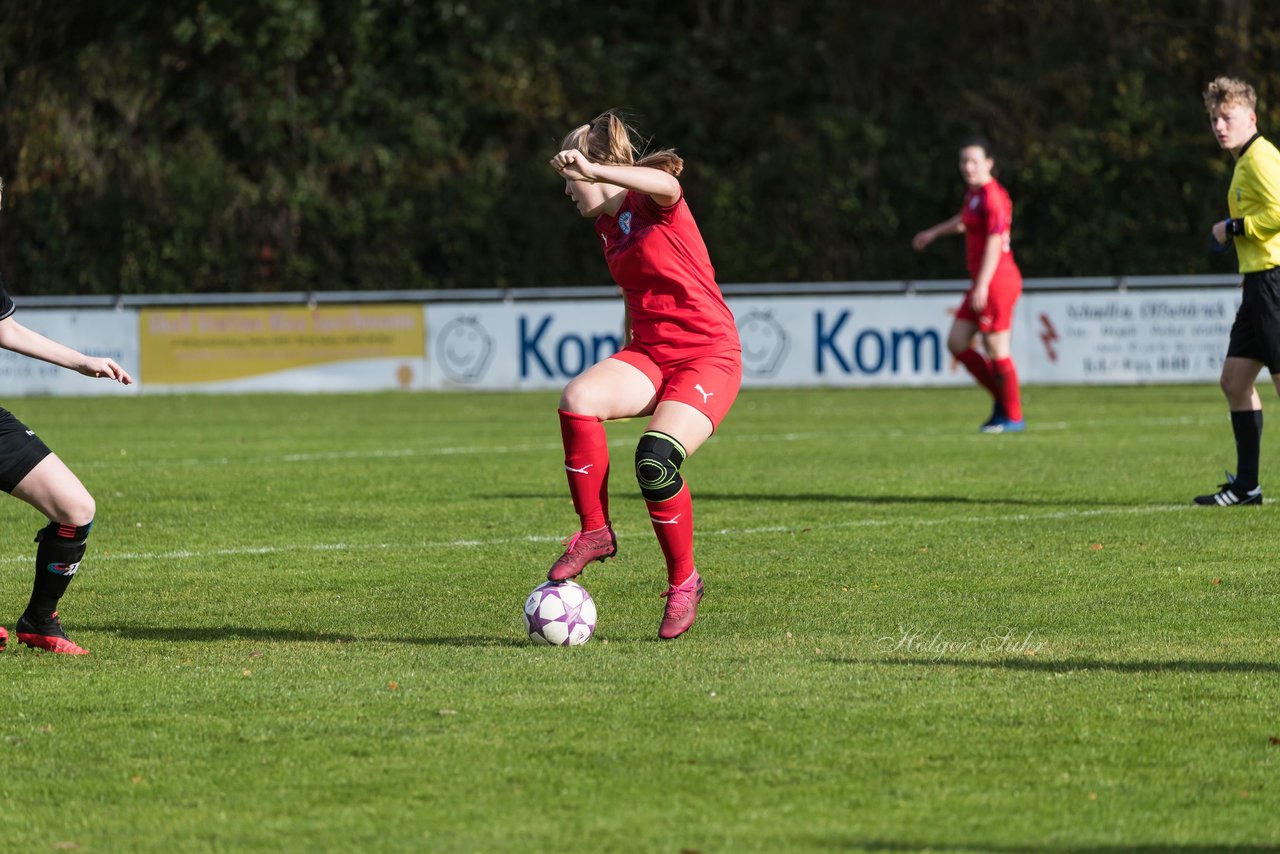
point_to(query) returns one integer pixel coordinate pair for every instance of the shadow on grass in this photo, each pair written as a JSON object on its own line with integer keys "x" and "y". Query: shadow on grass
{"x": 835, "y": 498}
{"x": 1151, "y": 848}
{"x": 204, "y": 634}
{"x": 1070, "y": 664}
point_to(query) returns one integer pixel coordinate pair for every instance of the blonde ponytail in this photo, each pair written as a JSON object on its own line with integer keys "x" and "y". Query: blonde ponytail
{"x": 607, "y": 139}
{"x": 667, "y": 160}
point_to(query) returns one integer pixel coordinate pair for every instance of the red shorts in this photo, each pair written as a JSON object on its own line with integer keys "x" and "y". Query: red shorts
{"x": 997, "y": 316}
{"x": 707, "y": 383}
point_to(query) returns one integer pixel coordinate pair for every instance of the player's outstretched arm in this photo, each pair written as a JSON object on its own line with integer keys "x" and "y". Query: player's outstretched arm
{"x": 18, "y": 338}
{"x": 662, "y": 186}
{"x": 954, "y": 225}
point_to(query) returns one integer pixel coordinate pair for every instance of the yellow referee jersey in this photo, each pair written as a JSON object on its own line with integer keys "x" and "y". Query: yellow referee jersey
{"x": 1255, "y": 197}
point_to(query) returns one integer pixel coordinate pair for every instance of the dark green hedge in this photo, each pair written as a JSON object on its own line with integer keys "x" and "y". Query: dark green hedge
{"x": 318, "y": 144}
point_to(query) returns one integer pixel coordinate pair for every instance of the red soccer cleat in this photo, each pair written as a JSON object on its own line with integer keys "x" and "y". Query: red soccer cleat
{"x": 681, "y": 608}
{"x": 4, "y": 638}
{"x": 584, "y": 547}
{"x": 47, "y": 634}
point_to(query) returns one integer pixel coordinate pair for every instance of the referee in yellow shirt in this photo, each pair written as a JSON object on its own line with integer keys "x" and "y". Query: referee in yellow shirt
{"x": 1254, "y": 226}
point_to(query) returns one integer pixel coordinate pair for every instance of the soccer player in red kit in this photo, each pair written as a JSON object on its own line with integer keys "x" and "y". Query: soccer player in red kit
{"x": 681, "y": 364}
{"x": 987, "y": 309}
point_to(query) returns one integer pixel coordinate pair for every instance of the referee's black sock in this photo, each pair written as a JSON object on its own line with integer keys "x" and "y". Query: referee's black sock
{"x": 1247, "y": 425}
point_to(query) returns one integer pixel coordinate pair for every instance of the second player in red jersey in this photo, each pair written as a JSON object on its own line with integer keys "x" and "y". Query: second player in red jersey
{"x": 681, "y": 364}
{"x": 985, "y": 219}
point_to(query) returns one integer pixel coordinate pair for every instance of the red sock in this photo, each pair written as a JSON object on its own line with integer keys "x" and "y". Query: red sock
{"x": 586, "y": 464}
{"x": 673, "y": 523}
{"x": 1010, "y": 397}
{"x": 981, "y": 368}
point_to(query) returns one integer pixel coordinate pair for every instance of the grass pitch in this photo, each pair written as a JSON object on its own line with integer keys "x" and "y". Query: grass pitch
{"x": 305, "y": 621}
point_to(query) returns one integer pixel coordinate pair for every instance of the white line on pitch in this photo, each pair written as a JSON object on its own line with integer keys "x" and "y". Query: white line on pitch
{"x": 536, "y": 538}
{"x": 412, "y": 452}
{"x": 730, "y": 437}
{"x": 964, "y": 520}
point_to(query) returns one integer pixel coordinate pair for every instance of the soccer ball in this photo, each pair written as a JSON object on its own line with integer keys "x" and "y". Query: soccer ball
{"x": 560, "y": 613}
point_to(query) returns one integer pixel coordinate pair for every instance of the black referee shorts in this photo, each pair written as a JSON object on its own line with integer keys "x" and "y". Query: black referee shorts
{"x": 20, "y": 450}
{"x": 1256, "y": 332}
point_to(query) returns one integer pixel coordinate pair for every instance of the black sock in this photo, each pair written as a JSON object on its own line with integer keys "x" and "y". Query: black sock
{"x": 1247, "y": 425}
{"x": 57, "y": 559}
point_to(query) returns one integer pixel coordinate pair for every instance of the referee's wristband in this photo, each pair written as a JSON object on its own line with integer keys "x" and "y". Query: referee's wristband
{"x": 1235, "y": 227}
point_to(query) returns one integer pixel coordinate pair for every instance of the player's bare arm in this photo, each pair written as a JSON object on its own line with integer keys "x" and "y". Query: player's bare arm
{"x": 662, "y": 187}
{"x": 18, "y": 338}
{"x": 954, "y": 225}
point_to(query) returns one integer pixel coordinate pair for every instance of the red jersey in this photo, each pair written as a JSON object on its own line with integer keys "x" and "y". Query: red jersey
{"x": 657, "y": 257}
{"x": 987, "y": 210}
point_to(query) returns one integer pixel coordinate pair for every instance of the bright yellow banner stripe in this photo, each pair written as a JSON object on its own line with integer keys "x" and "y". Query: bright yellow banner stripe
{"x": 215, "y": 344}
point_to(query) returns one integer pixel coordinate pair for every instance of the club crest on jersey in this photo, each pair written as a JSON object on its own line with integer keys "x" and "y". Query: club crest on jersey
{"x": 973, "y": 203}
{"x": 624, "y": 222}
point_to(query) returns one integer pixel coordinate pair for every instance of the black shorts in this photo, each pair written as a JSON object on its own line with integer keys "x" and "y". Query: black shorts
{"x": 20, "y": 450}
{"x": 1256, "y": 332}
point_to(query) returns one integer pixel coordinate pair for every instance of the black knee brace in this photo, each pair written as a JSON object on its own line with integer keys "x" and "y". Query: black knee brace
{"x": 658, "y": 459}
{"x": 61, "y": 547}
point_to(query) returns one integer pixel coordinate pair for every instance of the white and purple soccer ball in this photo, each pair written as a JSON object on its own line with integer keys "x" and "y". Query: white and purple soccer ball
{"x": 560, "y": 613}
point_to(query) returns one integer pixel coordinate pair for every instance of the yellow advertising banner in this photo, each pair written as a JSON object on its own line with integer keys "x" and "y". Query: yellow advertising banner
{"x": 197, "y": 345}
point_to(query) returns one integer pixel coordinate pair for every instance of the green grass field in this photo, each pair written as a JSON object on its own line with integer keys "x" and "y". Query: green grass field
{"x": 304, "y": 614}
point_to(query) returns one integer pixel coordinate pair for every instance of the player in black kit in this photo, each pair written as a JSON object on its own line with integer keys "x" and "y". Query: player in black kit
{"x": 30, "y": 471}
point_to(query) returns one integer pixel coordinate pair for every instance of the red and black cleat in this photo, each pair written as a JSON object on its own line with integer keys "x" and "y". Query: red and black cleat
{"x": 4, "y": 638}
{"x": 47, "y": 634}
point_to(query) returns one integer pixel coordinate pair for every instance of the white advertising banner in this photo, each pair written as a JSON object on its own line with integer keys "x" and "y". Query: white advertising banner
{"x": 847, "y": 341}
{"x": 801, "y": 341}
{"x": 533, "y": 345}
{"x": 1166, "y": 336}
{"x": 95, "y": 332}
{"x": 1092, "y": 337}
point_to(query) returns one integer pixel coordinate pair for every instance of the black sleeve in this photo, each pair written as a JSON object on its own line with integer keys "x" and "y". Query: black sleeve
{"x": 6, "y": 304}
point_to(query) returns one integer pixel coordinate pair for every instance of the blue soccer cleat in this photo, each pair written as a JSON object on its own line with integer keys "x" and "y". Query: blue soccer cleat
{"x": 1004, "y": 424}
{"x": 997, "y": 413}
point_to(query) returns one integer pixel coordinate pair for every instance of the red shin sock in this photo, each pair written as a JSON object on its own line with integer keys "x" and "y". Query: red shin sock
{"x": 673, "y": 523}
{"x": 1010, "y": 397}
{"x": 981, "y": 368}
{"x": 586, "y": 464}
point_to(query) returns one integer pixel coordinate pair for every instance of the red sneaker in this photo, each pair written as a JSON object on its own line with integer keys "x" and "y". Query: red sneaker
{"x": 46, "y": 634}
{"x": 681, "y": 608}
{"x": 584, "y": 547}
{"x": 4, "y": 638}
